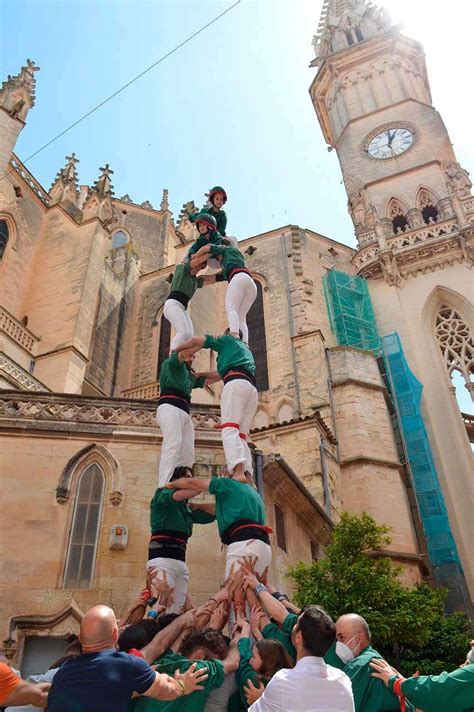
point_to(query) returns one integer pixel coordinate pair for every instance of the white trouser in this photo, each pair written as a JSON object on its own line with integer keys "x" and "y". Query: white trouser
{"x": 177, "y": 448}
{"x": 177, "y": 575}
{"x": 251, "y": 547}
{"x": 180, "y": 321}
{"x": 241, "y": 294}
{"x": 234, "y": 554}
{"x": 239, "y": 401}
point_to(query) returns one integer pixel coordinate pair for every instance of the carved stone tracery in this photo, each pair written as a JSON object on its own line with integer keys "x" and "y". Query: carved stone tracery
{"x": 455, "y": 341}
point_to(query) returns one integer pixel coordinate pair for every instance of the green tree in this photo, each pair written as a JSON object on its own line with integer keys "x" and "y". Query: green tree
{"x": 354, "y": 576}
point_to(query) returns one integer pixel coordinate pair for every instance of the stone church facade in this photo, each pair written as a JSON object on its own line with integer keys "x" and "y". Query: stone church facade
{"x": 83, "y": 279}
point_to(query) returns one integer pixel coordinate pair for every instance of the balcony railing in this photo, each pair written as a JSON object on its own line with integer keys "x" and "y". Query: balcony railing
{"x": 411, "y": 238}
{"x": 16, "y": 331}
{"x": 148, "y": 391}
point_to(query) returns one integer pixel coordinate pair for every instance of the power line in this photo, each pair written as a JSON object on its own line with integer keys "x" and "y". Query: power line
{"x": 125, "y": 86}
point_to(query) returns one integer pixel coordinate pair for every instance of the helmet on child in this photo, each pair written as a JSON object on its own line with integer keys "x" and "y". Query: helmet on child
{"x": 214, "y": 191}
{"x": 206, "y": 219}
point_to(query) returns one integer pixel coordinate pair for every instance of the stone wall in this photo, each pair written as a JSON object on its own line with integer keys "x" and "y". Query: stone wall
{"x": 114, "y": 322}
{"x": 60, "y": 437}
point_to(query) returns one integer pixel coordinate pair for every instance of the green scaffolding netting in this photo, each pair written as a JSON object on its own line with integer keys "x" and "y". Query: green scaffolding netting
{"x": 350, "y": 310}
{"x": 407, "y": 392}
{"x": 353, "y": 323}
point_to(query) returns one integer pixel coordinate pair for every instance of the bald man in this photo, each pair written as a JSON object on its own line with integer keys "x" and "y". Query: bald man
{"x": 104, "y": 680}
{"x": 352, "y": 653}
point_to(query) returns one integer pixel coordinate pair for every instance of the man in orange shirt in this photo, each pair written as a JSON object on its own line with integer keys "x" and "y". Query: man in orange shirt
{"x": 15, "y": 691}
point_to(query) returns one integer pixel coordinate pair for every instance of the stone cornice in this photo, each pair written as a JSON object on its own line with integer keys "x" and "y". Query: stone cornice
{"x": 60, "y": 350}
{"x": 84, "y": 414}
{"x": 296, "y": 424}
{"x": 404, "y": 556}
{"x": 359, "y": 382}
{"x": 307, "y": 335}
{"x": 368, "y": 460}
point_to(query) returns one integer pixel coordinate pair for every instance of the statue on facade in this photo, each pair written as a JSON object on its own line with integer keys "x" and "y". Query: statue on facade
{"x": 458, "y": 181}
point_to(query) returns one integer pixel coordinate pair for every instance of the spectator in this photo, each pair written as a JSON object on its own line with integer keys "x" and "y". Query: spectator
{"x": 311, "y": 686}
{"x": 352, "y": 654}
{"x": 136, "y": 636}
{"x": 15, "y": 691}
{"x": 260, "y": 662}
{"x": 209, "y": 649}
{"x": 453, "y": 691}
{"x": 73, "y": 648}
{"x": 103, "y": 680}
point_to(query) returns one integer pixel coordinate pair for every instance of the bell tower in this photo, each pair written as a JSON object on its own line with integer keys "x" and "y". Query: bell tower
{"x": 413, "y": 213}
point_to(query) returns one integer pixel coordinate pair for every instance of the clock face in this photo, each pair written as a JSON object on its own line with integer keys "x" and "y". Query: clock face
{"x": 390, "y": 142}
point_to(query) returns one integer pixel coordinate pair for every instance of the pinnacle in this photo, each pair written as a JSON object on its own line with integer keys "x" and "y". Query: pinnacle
{"x": 103, "y": 186}
{"x": 68, "y": 174}
{"x": 344, "y": 23}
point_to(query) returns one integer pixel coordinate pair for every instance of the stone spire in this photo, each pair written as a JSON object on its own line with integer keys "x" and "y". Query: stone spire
{"x": 17, "y": 95}
{"x": 164, "y": 205}
{"x": 65, "y": 186}
{"x": 98, "y": 203}
{"x": 344, "y": 23}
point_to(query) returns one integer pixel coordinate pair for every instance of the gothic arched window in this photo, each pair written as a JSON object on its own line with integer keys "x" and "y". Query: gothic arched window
{"x": 85, "y": 529}
{"x": 4, "y": 235}
{"x": 258, "y": 340}
{"x": 163, "y": 344}
{"x": 457, "y": 347}
{"x": 427, "y": 204}
{"x": 397, "y": 214}
{"x": 119, "y": 239}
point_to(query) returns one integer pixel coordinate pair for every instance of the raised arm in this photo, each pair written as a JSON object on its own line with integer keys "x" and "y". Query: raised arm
{"x": 197, "y": 484}
{"x": 135, "y": 612}
{"x": 274, "y": 608}
{"x": 184, "y": 494}
{"x": 166, "y": 637}
{"x": 196, "y": 342}
{"x": 210, "y": 376}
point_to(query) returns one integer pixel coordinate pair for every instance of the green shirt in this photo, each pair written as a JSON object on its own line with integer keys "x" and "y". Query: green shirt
{"x": 231, "y": 353}
{"x": 212, "y": 237}
{"x": 184, "y": 282}
{"x": 231, "y": 257}
{"x": 220, "y": 216}
{"x": 234, "y": 501}
{"x": 175, "y": 374}
{"x": 370, "y": 694}
{"x": 196, "y": 701}
{"x": 166, "y": 513}
{"x": 245, "y": 671}
{"x": 283, "y": 634}
{"x": 448, "y": 692}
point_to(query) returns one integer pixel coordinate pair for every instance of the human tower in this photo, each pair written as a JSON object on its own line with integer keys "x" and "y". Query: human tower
{"x": 238, "y": 508}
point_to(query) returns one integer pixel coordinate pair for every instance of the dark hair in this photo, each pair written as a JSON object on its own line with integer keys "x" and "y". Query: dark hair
{"x": 137, "y": 635}
{"x": 211, "y": 640}
{"x": 318, "y": 630}
{"x": 165, "y": 619}
{"x": 181, "y": 471}
{"x": 274, "y": 657}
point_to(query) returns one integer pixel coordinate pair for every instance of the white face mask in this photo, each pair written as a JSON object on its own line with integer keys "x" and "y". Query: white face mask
{"x": 344, "y": 652}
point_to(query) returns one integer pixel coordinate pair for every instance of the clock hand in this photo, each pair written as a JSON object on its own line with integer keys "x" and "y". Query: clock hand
{"x": 390, "y": 138}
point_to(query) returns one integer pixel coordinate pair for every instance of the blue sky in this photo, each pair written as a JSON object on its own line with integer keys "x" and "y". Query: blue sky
{"x": 232, "y": 107}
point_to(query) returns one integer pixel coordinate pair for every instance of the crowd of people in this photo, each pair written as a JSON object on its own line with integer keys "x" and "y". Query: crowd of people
{"x": 247, "y": 647}
{"x": 275, "y": 658}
